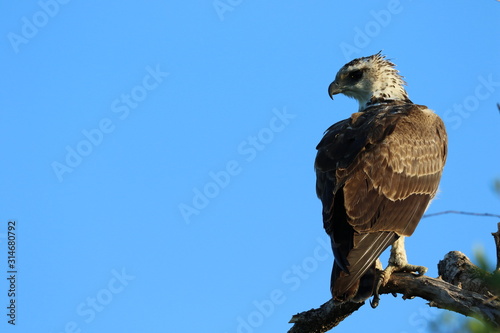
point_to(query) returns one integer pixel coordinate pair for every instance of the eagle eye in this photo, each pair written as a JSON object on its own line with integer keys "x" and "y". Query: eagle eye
{"x": 355, "y": 76}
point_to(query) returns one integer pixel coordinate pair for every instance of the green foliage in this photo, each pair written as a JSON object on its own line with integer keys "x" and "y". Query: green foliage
{"x": 450, "y": 322}
{"x": 475, "y": 326}
{"x": 481, "y": 260}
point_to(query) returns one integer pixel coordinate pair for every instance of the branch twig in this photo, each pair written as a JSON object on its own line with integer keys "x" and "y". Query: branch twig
{"x": 461, "y": 213}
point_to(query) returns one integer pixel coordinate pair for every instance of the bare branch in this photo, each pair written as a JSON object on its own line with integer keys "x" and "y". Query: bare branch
{"x": 458, "y": 270}
{"x": 444, "y": 295}
{"x": 496, "y": 236}
{"x": 439, "y": 293}
{"x": 461, "y": 213}
{"x": 462, "y": 287}
{"x": 323, "y": 319}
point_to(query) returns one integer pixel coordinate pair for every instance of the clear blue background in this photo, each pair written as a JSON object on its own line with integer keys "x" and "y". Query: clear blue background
{"x": 250, "y": 256}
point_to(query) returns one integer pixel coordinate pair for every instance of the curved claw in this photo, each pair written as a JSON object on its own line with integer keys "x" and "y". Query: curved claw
{"x": 382, "y": 280}
{"x": 385, "y": 275}
{"x": 375, "y": 301}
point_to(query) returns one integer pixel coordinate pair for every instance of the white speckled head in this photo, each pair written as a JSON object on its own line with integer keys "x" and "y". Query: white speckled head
{"x": 370, "y": 80}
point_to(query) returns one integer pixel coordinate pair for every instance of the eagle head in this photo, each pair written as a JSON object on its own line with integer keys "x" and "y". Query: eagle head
{"x": 370, "y": 80}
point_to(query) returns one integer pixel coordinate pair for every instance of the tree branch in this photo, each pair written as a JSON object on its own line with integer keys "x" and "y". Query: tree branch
{"x": 323, "y": 319}
{"x": 462, "y": 287}
{"x": 496, "y": 236}
{"x": 460, "y": 213}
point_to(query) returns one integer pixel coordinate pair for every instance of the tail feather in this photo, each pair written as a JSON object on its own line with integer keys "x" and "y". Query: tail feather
{"x": 357, "y": 281}
{"x": 358, "y": 291}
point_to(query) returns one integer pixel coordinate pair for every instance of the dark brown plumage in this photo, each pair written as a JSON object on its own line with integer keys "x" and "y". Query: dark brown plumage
{"x": 376, "y": 172}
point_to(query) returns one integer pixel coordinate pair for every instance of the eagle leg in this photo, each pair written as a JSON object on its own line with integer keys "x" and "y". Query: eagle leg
{"x": 398, "y": 262}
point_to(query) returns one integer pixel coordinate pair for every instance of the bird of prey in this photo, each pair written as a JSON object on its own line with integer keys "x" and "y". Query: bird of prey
{"x": 376, "y": 173}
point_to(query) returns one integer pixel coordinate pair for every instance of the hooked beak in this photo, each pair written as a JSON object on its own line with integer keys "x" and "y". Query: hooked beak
{"x": 334, "y": 89}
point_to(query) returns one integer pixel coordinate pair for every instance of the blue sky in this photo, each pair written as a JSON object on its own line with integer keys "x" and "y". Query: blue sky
{"x": 158, "y": 156}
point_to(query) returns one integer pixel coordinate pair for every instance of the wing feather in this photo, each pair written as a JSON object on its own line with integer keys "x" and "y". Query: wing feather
{"x": 376, "y": 174}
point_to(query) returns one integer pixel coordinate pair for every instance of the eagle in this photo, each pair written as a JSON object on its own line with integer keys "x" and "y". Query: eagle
{"x": 376, "y": 173}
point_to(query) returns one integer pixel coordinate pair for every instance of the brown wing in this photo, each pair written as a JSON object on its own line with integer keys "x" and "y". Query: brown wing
{"x": 376, "y": 174}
